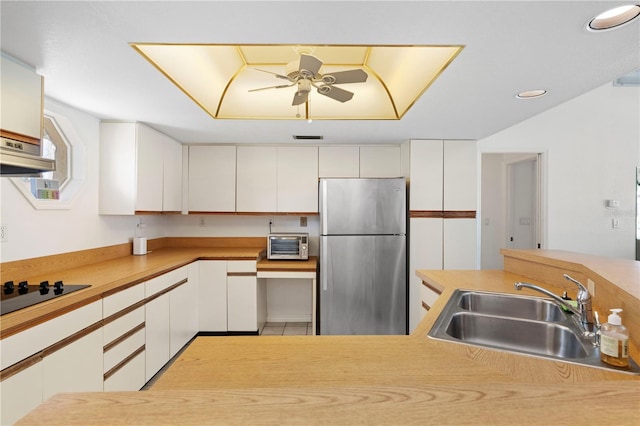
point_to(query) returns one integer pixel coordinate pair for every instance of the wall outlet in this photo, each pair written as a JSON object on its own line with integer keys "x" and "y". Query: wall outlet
{"x": 4, "y": 233}
{"x": 303, "y": 221}
{"x": 202, "y": 222}
{"x": 591, "y": 286}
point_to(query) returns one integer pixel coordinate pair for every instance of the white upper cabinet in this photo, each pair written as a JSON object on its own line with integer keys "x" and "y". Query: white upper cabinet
{"x": 297, "y": 179}
{"x": 212, "y": 178}
{"x": 172, "y": 176}
{"x": 140, "y": 170}
{"x": 22, "y": 100}
{"x": 339, "y": 161}
{"x": 426, "y": 175}
{"x": 257, "y": 179}
{"x": 380, "y": 162}
{"x": 460, "y": 175}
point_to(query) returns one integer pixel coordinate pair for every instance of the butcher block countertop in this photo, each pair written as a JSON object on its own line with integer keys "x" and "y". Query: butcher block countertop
{"x": 346, "y": 380}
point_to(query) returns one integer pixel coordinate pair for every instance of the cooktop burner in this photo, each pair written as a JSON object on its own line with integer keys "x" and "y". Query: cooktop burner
{"x": 24, "y": 295}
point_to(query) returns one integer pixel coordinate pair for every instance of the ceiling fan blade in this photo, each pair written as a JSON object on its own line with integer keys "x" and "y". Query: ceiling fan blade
{"x": 280, "y": 86}
{"x": 310, "y": 63}
{"x": 299, "y": 98}
{"x": 343, "y": 77}
{"x": 273, "y": 73}
{"x": 336, "y": 93}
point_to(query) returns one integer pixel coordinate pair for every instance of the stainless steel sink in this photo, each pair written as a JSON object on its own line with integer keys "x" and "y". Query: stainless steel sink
{"x": 520, "y": 324}
{"x": 536, "y": 337}
{"x": 508, "y": 305}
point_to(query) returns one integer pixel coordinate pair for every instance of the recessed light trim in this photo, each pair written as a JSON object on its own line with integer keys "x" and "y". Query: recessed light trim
{"x": 614, "y": 18}
{"x": 531, "y": 94}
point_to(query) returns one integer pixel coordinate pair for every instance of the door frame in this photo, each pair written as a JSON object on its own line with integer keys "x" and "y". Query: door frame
{"x": 509, "y": 222}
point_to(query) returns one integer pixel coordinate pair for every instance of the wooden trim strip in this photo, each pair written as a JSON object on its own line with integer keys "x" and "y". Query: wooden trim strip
{"x": 426, "y": 214}
{"x": 166, "y": 290}
{"x": 124, "y": 337}
{"x": 427, "y": 307}
{"x": 242, "y": 274}
{"x": 122, "y": 363}
{"x": 459, "y": 214}
{"x": 432, "y": 288}
{"x": 443, "y": 214}
{"x": 16, "y": 368}
{"x": 19, "y": 137}
{"x": 70, "y": 339}
{"x": 123, "y": 312}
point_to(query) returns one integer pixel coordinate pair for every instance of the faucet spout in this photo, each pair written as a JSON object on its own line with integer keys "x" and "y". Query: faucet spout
{"x": 584, "y": 310}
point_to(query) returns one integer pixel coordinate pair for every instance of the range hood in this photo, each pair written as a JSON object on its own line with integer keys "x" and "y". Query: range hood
{"x": 22, "y": 159}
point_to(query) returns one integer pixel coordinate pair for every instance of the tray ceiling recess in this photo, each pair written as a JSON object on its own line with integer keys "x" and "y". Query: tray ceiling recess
{"x": 272, "y": 82}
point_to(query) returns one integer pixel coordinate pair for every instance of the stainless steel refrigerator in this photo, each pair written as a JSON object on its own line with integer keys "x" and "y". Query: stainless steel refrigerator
{"x": 363, "y": 257}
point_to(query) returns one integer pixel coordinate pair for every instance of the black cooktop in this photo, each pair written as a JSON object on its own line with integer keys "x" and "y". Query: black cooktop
{"x": 15, "y": 297}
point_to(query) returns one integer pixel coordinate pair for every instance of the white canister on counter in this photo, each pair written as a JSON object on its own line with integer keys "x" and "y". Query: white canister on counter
{"x": 139, "y": 246}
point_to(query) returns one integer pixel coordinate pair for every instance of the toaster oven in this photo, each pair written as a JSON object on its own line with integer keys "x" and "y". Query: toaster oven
{"x": 288, "y": 246}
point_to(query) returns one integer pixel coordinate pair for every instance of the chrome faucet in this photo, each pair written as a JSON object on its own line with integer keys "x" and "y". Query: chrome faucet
{"x": 584, "y": 311}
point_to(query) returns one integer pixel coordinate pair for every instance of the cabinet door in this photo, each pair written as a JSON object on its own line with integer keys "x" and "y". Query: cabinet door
{"x": 212, "y": 297}
{"x": 242, "y": 303}
{"x": 460, "y": 244}
{"x": 298, "y": 179}
{"x": 21, "y": 99}
{"x": 338, "y": 161}
{"x": 425, "y": 252}
{"x": 149, "y": 163}
{"x": 21, "y": 393}
{"x": 380, "y": 161}
{"x": 128, "y": 377}
{"x": 212, "y": 178}
{"x": 257, "y": 169}
{"x": 157, "y": 330}
{"x": 426, "y": 175}
{"x": 117, "y": 183}
{"x": 172, "y": 176}
{"x": 184, "y": 315}
{"x": 460, "y": 175}
{"x": 76, "y": 367}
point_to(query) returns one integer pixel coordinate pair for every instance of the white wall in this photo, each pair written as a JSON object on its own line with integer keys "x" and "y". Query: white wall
{"x": 592, "y": 146}
{"x": 35, "y": 233}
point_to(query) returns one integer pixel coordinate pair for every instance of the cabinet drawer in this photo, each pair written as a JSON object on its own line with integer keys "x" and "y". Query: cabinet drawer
{"x": 122, "y": 325}
{"x": 241, "y": 266}
{"x": 128, "y": 378}
{"x": 22, "y": 345}
{"x": 157, "y": 284}
{"x": 118, "y": 353}
{"x": 122, "y": 299}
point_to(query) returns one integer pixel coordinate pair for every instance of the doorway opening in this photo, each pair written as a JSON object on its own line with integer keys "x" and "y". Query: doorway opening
{"x": 511, "y": 205}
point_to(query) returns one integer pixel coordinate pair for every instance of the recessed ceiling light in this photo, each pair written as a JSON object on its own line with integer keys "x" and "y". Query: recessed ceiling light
{"x": 615, "y": 17}
{"x": 531, "y": 94}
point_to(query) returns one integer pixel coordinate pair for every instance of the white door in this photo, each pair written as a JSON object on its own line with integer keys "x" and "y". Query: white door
{"x": 523, "y": 204}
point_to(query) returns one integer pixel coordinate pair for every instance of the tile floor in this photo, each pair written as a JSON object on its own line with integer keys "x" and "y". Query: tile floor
{"x": 287, "y": 329}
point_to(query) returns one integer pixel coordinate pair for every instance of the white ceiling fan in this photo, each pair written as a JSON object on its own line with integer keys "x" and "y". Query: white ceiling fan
{"x": 305, "y": 73}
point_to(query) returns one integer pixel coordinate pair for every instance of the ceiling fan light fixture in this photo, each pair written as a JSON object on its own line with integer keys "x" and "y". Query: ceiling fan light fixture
{"x": 614, "y": 18}
{"x": 531, "y": 94}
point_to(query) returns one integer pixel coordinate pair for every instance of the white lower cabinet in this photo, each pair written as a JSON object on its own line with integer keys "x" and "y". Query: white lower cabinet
{"x": 76, "y": 367}
{"x": 158, "y": 334}
{"x": 212, "y": 300}
{"x": 21, "y": 393}
{"x": 128, "y": 377}
{"x": 246, "y": 297}
{"x": 171, "y": 317}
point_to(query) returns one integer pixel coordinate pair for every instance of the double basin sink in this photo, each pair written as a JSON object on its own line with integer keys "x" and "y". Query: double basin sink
{"x": 521, "y": 324}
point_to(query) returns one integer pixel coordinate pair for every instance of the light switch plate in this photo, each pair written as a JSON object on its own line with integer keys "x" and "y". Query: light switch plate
{"x": 4, "y": 233}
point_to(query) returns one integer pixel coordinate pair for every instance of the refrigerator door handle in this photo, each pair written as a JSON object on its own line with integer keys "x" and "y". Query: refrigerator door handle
{"x": 323, "y": 256}
{"x": 323, "y": 207}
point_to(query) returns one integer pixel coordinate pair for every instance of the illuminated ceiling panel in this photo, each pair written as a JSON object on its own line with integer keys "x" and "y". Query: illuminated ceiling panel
{"x": 222, "y": 79}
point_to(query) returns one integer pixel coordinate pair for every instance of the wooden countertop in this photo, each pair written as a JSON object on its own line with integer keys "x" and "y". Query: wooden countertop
{"x": 111, "y": 275}
{"x": 364, "y": 380}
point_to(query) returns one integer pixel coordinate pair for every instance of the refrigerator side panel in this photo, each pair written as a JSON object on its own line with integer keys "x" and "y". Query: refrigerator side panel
{"x": 362, "y": 206}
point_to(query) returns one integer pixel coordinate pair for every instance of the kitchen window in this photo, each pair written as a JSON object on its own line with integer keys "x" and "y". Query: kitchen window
{"x": 60, "y": 142}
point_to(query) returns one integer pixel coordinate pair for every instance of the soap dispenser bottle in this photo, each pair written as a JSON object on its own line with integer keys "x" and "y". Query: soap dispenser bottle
{"x": 614, "y": 341}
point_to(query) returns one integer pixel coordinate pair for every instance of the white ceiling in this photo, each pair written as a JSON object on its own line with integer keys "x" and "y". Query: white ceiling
{"x": 82, "y": 49}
